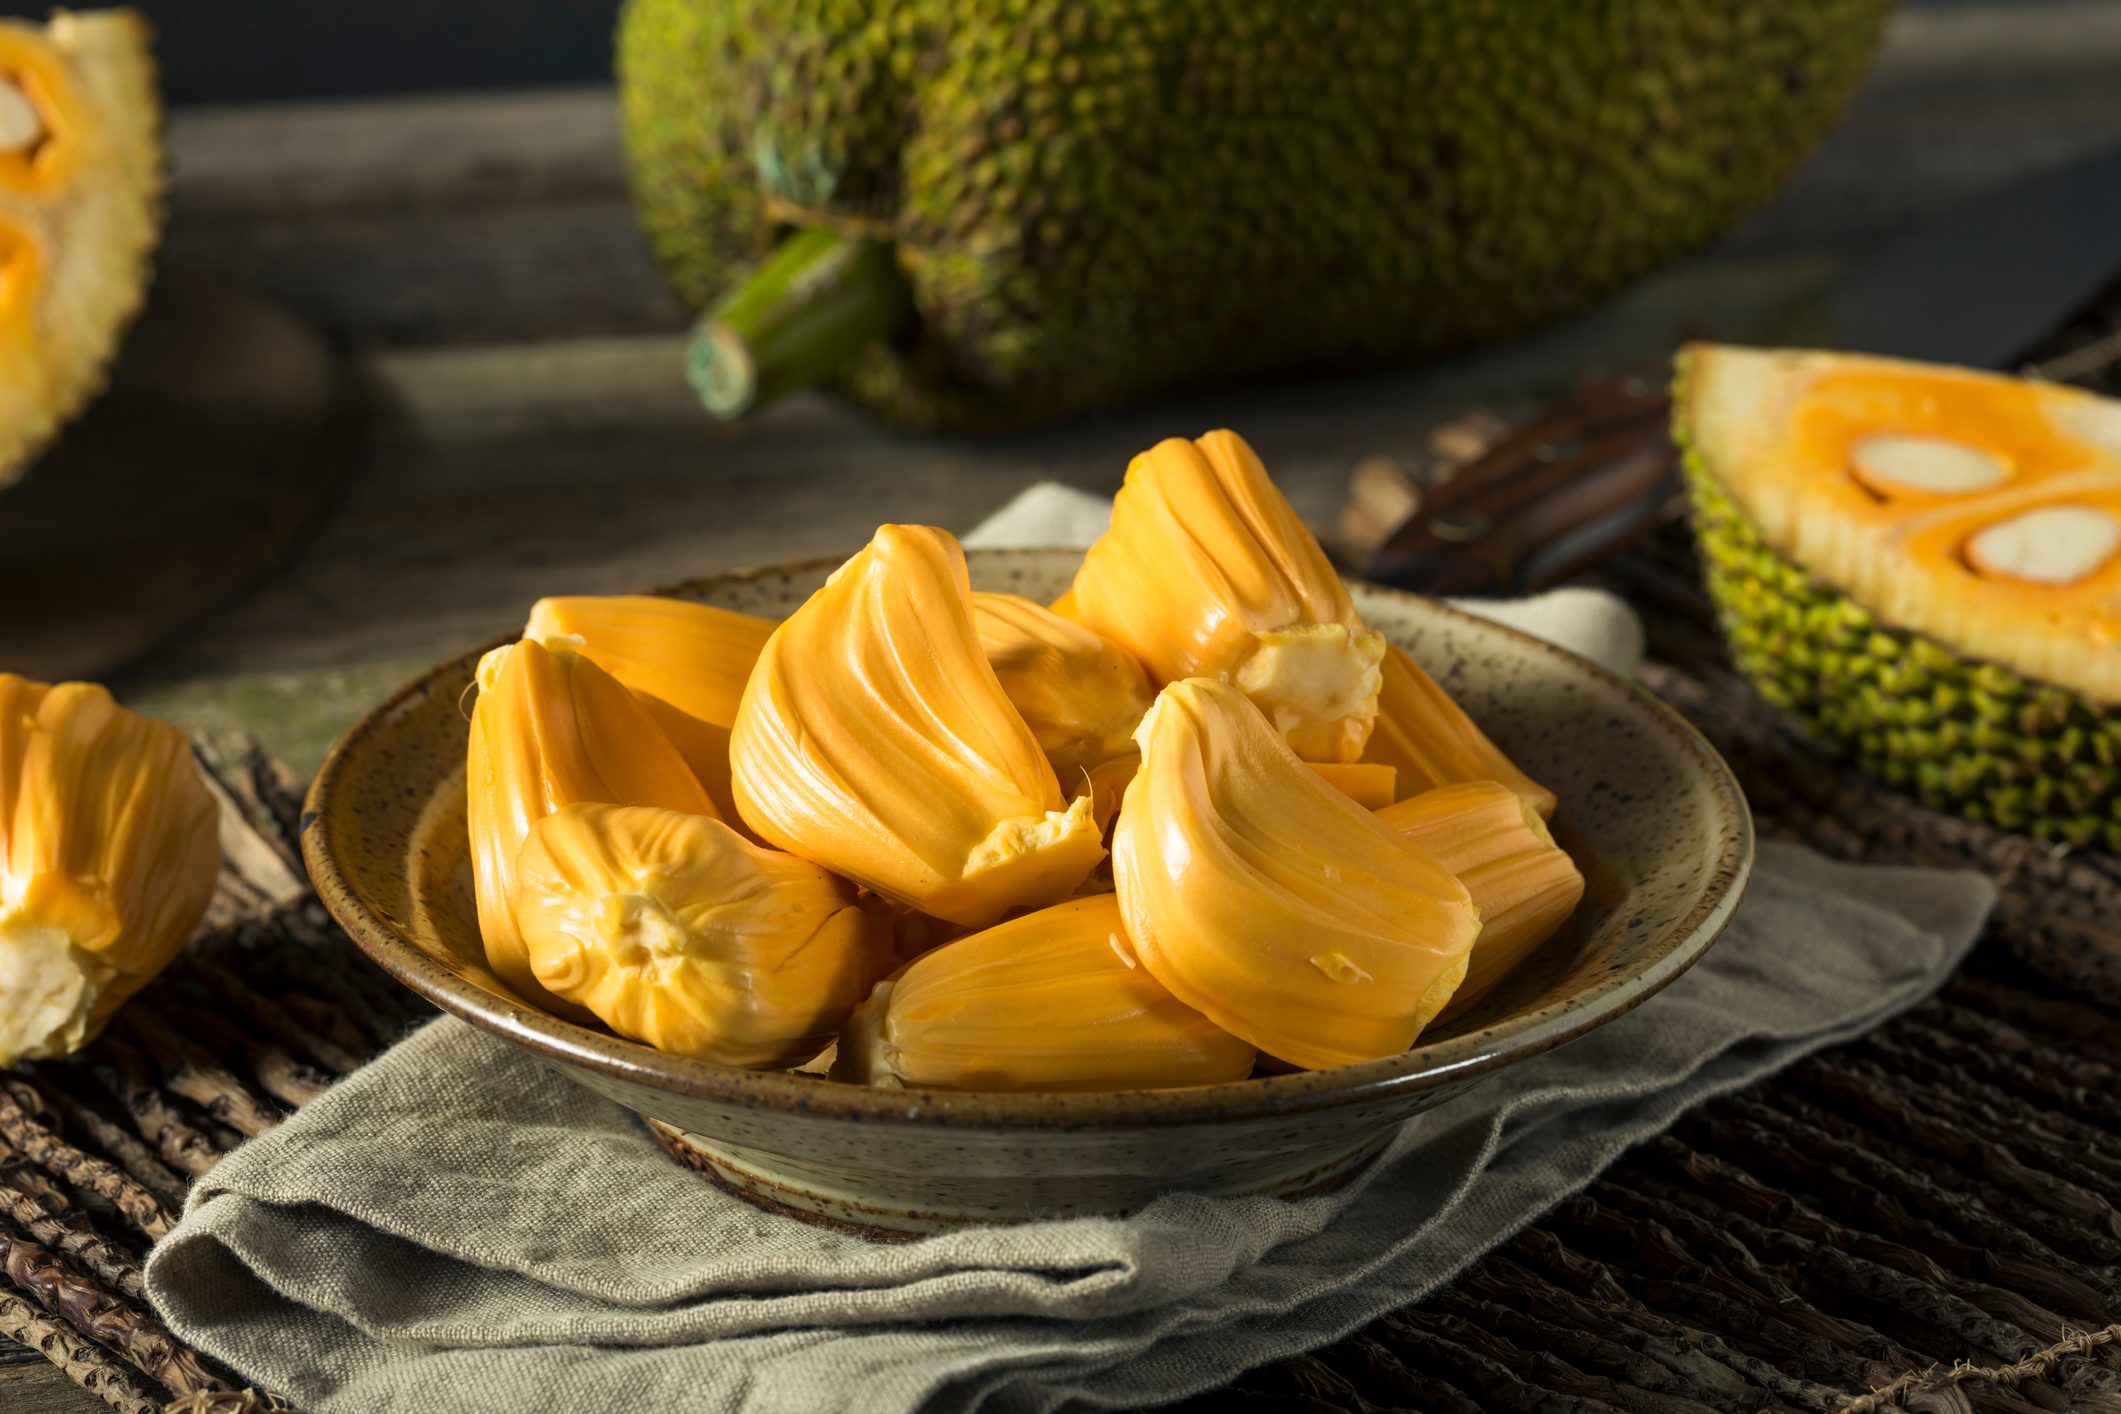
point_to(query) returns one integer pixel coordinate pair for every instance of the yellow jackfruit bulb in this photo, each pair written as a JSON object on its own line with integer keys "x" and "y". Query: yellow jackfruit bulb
{"x": 687, "y": 663}
{"x": 875, "y": 739}
{"x": 80, "y": 208}
{"x": 1208, "y": 572}
{"x": 1051, "y": 1001}
{"x": 1370, "y": 785}
{"x": 1432, "y": 742}
{"x": 1080, "y": 693}
{"x": 677, "y": 931}
{"x": 109, "y": 848}
{"x": 1264, "y": 897}
{"x": 551, "y": 728}
{"x": 1523, "y": 883}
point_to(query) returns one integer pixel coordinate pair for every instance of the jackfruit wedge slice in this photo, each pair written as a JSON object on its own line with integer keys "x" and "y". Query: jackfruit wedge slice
{"x": 80, "y": 207}
{"x": 875, "y": 739}
{"x": 1208, "y": 572}
{"x": 1980, "y": 511}
{"x": 1269, "y": 901}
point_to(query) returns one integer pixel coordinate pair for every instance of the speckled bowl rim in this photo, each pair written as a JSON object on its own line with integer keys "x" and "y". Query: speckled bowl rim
{"x": 1423, "y": 1067}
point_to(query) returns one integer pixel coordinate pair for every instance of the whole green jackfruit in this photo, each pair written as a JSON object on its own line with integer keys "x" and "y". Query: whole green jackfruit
{"x": 1050, "y": 206}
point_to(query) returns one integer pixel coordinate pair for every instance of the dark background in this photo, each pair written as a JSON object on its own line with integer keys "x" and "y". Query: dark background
{"x": 237, "y": 51}
{"x": 222, "y": 51}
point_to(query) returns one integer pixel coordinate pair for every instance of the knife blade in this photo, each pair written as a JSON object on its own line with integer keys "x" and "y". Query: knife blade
{"x": 1977, "y": 285}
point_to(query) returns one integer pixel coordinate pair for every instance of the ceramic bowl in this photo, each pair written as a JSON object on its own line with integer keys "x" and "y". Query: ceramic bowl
{"x": 1648, "y": 809}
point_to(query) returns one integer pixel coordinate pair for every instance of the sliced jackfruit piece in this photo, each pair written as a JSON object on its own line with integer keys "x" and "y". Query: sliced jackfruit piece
{"x": 1523, "y": 884}
{"x": 1052, "y": 1001}
{"x": 109, "y": 848}
{"x": 874, "y": 739}
{"x": 1266, "y": 899}
{"x": 1208, "y": 572}
{"x": 677, "y": 931}
{"x": 1794, "y": 440}
{"x": 80, "y": 208}
{"x": 687, "y": 662}
{"x": 551, "y": 728}
{"x": 1923, "y": 565}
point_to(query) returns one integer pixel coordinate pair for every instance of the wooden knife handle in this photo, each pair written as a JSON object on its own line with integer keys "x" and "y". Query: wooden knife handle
{"x": 1555, "y": 497}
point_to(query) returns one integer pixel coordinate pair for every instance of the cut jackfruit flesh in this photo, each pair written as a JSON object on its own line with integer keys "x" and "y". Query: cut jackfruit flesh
{"x": 1266, "y": 899}
{"x": 687, "y": 662}
{"x": 109, "y": 849}
{"x": 1980, "y": 511}
{"x": 875, "y": 739}
{"x": 80, "y": 199}
{"x": 1208, "y": 572}
{"x": 550, "y": 729}
{"x": 1052, "y": 1001}
{"x": 1524, "y": 885}
{"x": 677, "y": 931}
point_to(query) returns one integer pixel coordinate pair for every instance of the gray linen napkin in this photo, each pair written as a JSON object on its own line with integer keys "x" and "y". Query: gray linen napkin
{"x": 454, "y": 1229}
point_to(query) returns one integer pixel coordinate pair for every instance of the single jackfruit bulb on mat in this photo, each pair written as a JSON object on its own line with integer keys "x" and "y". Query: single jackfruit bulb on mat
{"x": 1208, "y": 572}
{"x": 687, "y": 663}
{"x": 1431, "y": 742}
{"x": 80, "y": 205}
{"x": 1923, "y": 566}
{"x": 551, "y": 728}
{"x": 1052, "y": 1001}
{"x": 109, "y": 848}
{"x": 1265, "y": 898}
{"x": 1080, "y": 693}
{"x": 875, "y": 739}
{"x": 677, "y": 931}
{"x": 1523, "y": 883}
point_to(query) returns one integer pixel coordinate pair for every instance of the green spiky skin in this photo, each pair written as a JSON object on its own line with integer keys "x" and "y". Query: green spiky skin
{"x": 1100, "y": 200}
{"x": 1959, "y": 734}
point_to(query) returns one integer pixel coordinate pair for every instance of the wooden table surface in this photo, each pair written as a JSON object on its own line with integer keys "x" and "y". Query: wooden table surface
{"x": 529, "y": 432}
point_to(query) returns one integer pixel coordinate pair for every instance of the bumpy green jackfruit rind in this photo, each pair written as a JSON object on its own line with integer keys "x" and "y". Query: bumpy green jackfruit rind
{"x": 1958, "y": 734}
{"x": 1100, "y": 200}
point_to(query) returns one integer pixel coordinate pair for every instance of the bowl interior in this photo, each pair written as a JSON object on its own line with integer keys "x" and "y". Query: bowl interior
{"x": 1647, "y": 808}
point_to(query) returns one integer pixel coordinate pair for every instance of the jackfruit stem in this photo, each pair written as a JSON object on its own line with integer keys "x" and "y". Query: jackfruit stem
{"x": 818, "y": 300}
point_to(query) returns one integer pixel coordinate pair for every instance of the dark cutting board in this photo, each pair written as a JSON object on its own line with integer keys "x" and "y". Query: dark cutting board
{"x": 226, "y": 425}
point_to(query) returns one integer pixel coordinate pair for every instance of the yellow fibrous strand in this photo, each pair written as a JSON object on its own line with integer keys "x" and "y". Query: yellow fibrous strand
{"x": 1267, "y": 899}
{"x": 551, "y": 728}
{"x": 677, "y": 931}
{"x": 80, "y": 209}
{"x": 1052, "y": 1001}
{"x": 109, "y": 848}
{"x": 875, "y": 739}
{"x": 1080, "y": 693}
{"x": 687, "y": 663}
{"x": 1208, "y": 572}
{"x": 1523, "y": 883}
{"x": 1431, "y": 742}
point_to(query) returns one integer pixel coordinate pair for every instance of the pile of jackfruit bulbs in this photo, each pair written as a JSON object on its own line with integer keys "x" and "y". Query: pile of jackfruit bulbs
{"x": 1191, "y": 820}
